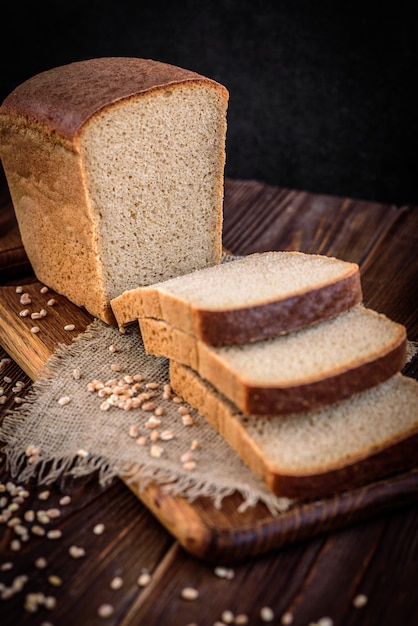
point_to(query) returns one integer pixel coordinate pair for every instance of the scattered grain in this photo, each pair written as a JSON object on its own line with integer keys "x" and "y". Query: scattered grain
{"x": 105, "y": 610}
{"x": 55, "y": 580}
{"x": 115, "y": 367}
{"x": 360, "y": 600}
{"x": 323, "y": 621}
{"x": 241, "y": 619}
{"x": 41, "y": 563}
{"x": 167, "y": 392}
{"x": 65, "y": 500}
{"x": 64, "y": 400}
{"x": 32, "y": 450}
{"x": 33, "y": 601}
{"x": 189, "y": 593}
{"x": 42, "y": 517}
{"x": 154, "y": 436}
{"x": 167, "y": 435}
{"x": 141, "y": 441}
{"x": 224, "y": 572}
{"x": 227, "y": 617}
{"x": 19, "y": 582}
{"x": 15, "y": 545}
{"x": 116, "y": 583}
{"x": 25, "y": 299}
{"x": 50, "y": 603}
{"x": 24, "y": 313}
{"x": 186, "y": 457}
{"x": 19, "y": 289}
{"x": 4, "y": 567}
{"x": 76, "y": 374}
{"x": 69, "y": 327}
{"x": 99, "y": 529}
{"x": 266, "y": 614}
{"x": 187, "y": 420}
{"x": 55, "y": 533}
{"x": 152, "y": 422}
{"x": 133, "y": 431}
{"x": 51, "y": 302}
{"x": 35, "y": 329}
{"x": 144, "y": 578}
{"x": 156, "y": 451}
{"x": 76, "y": 552}
{"x": 44, "y": 495}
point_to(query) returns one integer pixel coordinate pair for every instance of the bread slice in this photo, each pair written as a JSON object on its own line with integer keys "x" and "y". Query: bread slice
{"x": 361, "y": 439}
{"x": 115, "y": 168}
{"x": 250, "y": 298}
{"x": 300, "y": 371}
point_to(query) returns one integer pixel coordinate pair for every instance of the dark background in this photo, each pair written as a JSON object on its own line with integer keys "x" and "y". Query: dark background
{"x": 322, "y": 93}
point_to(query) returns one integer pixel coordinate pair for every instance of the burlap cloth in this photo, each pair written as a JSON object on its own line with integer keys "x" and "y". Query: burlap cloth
{"x": 45, "y": 439}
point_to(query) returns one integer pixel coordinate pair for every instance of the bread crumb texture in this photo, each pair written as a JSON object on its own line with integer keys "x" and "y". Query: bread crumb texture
{"x": 256, "y": 279}
{"x": 153, "y": 171}
{"x": 115, "y": 168}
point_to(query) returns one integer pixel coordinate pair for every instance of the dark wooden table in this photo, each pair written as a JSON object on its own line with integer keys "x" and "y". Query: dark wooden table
{"x": 319, "y": 578}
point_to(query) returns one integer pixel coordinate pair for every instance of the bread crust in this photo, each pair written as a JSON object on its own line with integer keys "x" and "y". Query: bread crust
{"x": 356, "y": 469}
{"x": 163, "y": 339}
{"x": 53, "y": 101}
{"x": 336, "y": 387}
{"x": 220, "y": 328}
{"x": 397, "y": 457}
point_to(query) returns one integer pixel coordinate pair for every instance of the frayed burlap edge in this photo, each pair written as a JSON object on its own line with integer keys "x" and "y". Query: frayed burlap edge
{"x": 170, "y": 477}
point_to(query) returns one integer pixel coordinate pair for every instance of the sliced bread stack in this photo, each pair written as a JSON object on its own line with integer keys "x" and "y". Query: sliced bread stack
{"x": 278, "y": 354}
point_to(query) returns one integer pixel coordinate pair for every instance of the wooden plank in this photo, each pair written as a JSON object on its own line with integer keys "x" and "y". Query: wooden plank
{"x": 212, "y": 534}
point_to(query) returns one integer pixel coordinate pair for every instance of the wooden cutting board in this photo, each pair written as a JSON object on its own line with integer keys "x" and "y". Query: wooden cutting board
{"x": 218, "y": 536}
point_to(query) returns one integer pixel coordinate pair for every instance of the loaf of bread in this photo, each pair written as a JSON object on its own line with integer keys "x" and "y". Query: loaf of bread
{"x": 361, "y": 439}
{"x": 115, "y": 168}
{"x": 303, "y": 370}
{"x": 250, "y": 298}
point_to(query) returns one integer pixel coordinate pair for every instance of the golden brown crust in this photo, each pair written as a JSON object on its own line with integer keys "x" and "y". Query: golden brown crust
{"x": 62, "y": 99}
{"x": 220, "y": 328}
